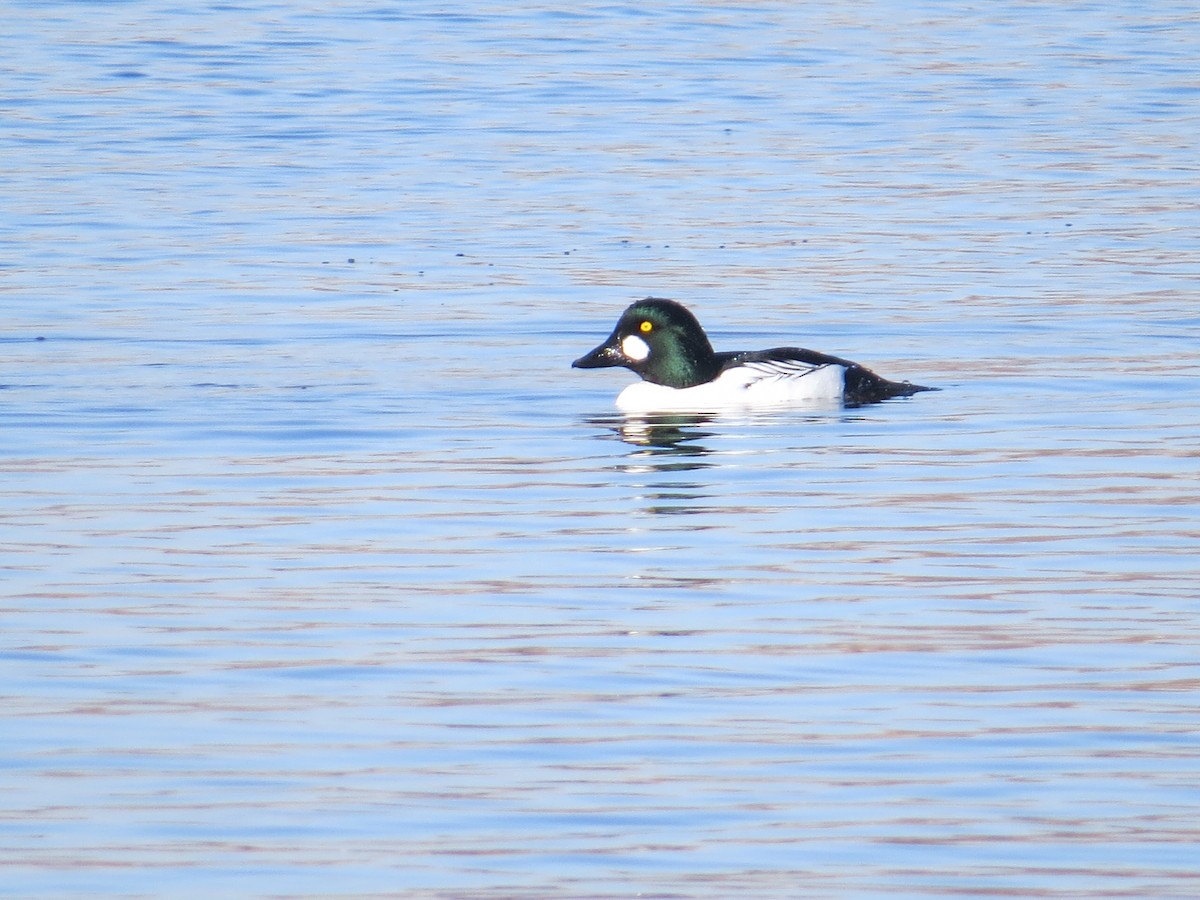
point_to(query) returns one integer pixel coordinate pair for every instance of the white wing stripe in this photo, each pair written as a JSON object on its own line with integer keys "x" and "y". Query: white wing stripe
{"x": 781, "y": 368}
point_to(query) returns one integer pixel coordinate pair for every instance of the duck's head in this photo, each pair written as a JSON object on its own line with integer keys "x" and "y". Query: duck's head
{"x": 660, "y": 341}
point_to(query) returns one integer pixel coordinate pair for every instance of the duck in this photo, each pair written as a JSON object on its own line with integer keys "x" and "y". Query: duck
{"x": 662, "y": 341}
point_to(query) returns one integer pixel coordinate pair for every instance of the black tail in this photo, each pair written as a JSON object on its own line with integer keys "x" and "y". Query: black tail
{"x": 864, "y": 386}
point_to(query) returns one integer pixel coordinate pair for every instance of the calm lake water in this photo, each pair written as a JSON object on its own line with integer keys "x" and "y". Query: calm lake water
{"x": 325, "y": 575}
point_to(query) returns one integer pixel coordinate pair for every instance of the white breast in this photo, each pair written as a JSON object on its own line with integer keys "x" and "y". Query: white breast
{"x": 748, "y": 386}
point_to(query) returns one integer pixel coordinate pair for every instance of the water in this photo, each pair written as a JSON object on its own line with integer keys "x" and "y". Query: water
{"x": 325, "y": 575}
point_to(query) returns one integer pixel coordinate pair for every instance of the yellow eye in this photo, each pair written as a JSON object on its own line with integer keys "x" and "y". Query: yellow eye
{"x": 647, "y": 327}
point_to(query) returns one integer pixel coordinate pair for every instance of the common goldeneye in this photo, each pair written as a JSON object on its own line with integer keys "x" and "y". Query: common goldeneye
{"x": 661, "y": 341}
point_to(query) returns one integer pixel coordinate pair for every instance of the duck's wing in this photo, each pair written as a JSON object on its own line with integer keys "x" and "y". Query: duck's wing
{"x": 782, "y": 362}
{"x": 861, "y": 384}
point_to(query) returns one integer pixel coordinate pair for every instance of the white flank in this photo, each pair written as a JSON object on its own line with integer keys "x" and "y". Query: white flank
{"x": 750, "y": 386}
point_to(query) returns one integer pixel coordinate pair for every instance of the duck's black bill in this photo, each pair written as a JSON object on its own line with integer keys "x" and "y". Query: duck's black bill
{"x": 602, "y": 357}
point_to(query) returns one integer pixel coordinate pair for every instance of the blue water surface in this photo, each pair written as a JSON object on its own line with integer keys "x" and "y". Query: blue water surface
{"x": 325, "y": 575}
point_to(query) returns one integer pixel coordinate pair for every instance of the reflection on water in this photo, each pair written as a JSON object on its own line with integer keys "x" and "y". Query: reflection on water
{"x": 675, "y": 432}
{"x": 668, "y": 434}
{"x": 323, "y": 574}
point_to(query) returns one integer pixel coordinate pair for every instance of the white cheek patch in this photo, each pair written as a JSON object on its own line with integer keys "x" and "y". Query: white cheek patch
{"x": 635, "y": 348}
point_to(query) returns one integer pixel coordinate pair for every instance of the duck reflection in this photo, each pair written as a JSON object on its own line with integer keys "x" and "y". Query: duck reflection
{"x": 676, "y": 457}
{"x": 663, "y": 447}
{"x": 674, "y": 435}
